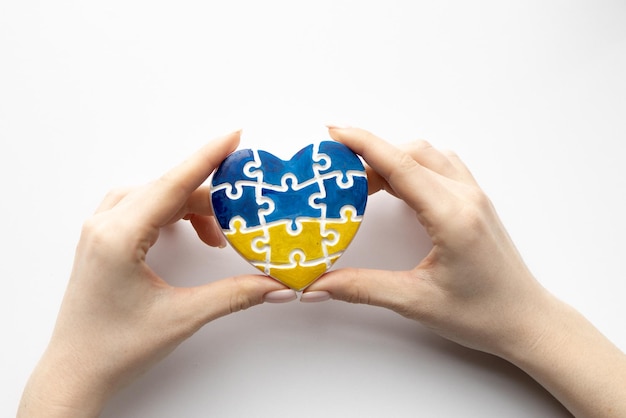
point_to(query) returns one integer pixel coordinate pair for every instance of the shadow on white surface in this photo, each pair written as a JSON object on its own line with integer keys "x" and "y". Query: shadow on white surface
{"x": 328, "y": 359}
{"x": 101, "y": 94}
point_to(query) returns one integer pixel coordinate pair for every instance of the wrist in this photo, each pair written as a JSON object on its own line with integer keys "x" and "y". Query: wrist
{"x": 57, "y": 388}
{"x": 568, "y": 356}
{"x": 532, "y": 330}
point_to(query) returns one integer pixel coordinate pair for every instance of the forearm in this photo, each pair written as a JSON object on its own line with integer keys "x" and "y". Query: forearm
{"x": 566, "y": 354}
{"x": 56, "y": 389}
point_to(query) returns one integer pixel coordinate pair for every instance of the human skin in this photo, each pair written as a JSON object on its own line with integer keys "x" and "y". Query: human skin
{"x": 118, "y": 317}
{"x": 473, "y": 287}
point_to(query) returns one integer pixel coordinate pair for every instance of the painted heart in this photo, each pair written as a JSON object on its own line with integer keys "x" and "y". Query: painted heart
{"x": 291, "y": 219}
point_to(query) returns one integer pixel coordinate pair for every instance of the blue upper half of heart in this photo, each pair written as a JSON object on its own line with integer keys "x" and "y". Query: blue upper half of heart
{"x": 315, "y": 183}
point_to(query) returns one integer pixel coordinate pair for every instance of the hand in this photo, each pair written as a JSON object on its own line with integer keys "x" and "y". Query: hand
{"x": 118, "y": 317}
{"x": 473, "y": 287}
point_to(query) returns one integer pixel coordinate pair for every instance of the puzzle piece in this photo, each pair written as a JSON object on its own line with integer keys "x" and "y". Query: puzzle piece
{"x": 291, "y": 219}
{"x": 346, "y": 164}
{"x": 293, "y": 202}
{"x": 273, "y": 168}
{"x": 246, "y": 240}
{"x": 343, "y": 230}
{"x": 297, "y": 260}
{"x": 297, "y": 275}
{"x": 285, "y": 241}
{"x": 238, "y": 160}
{"x": 336, "y": 195}
{"x": 226, "y": 207}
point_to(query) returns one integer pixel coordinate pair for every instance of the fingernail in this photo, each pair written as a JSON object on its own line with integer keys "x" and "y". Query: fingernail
{"x": 280, "y": 296}
{"x": 235, "y": 131}
{"x": 337, "y": 126}
{"x": 221, "y": 239}
{"x": 315, "y": 296}
{"x": 214, "y": 228}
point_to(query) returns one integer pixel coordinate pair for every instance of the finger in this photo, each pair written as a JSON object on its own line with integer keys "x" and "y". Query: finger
{"x": 198, "y": 203}
{"x": 445, "y": 163}
{"x": 208, "y": 230}
{"x": 205, "y": 303}
{"x": 112, "y": 198}
{"x": 412, "y": 182}
{"x": 400, "y": 291}
{"x": 162, "y": 199}
{"x": 440, "y": 162}
{"x": 464, "y": 172}
{"x": 433, "y": 159}
{"x": 376, "y": 183}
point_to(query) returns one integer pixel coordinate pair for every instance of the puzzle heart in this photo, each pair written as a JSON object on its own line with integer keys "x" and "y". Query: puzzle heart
{"x": 291, "y": 219}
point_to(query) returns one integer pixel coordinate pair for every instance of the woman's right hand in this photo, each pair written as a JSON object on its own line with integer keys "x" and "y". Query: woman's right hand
{"x": 473, "y": 287}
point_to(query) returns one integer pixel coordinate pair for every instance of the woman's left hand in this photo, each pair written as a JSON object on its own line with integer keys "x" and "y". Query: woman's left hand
{"x": 118, "y": 317}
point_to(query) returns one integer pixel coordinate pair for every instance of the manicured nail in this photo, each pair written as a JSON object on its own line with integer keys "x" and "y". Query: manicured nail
{"x": 280, "y": 296}
{"x": 337, "y": 126}
{"x": 315, "y": 296}
{"x": 222, "y": 242}
{"x": 221, "y": 239}
{"x": 214, "y": 228}
{"x": 236, "y": 131}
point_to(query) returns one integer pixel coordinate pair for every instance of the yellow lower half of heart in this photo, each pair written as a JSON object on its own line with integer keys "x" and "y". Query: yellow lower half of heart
{"x": 294, "y": 254}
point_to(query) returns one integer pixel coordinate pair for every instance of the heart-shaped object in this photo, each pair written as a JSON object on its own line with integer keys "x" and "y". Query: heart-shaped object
{"x": 291, "y": 219}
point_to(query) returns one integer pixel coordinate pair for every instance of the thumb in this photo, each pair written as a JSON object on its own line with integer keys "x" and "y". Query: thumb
{"x": 202, "y": 304}
{"x": 395, "y": 290}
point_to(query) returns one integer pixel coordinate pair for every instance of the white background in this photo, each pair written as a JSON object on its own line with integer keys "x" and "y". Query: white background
{"x": 531, "y": 94}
